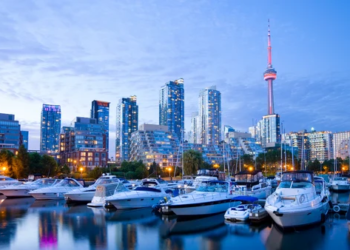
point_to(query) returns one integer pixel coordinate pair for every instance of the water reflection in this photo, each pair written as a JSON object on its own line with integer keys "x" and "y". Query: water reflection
{"x": 54, "y": 225}
{"x": 340, "y": 197}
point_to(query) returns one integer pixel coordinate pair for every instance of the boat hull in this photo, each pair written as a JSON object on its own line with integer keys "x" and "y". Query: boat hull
{"x": 298, "y": 218}
{"x": 340, "y": 188}
{"x": 16, "y": 193}
{"x": 200, "y": 209}
{"x": 48, "y": 196}
{"x": 132, "y": 203}
{"x": 79, "y": 197}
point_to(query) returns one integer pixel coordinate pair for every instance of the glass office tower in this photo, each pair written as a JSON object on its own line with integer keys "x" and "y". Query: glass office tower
{"x": 10, "y": 132}
{"x": 25, "y": 138}
{"x": 171, "y": 106}
{"x": 50, "y": 128}
{"x": 127, "y": 122}
{"x": 100, "y": 112}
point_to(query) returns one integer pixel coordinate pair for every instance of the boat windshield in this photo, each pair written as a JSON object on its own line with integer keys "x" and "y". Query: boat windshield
{"x": 67, "y": 183}
{"x": 212, "y": 187}
{"x": 121, "y": 188}
{"x": 292, "y": 184}
{"x": 297, "y": 177}
{"x": 248, "y": 177}
{"x": 45, "y": 182}
{"x": 105, "y": 180}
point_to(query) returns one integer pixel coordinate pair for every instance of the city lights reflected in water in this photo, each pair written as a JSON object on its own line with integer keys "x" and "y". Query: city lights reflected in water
{"x": 54, "y": 225}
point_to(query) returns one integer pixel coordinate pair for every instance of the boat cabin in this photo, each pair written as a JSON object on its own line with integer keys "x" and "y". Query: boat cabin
{"x": 211, "y": 172}
{"x": 248, "y": 178}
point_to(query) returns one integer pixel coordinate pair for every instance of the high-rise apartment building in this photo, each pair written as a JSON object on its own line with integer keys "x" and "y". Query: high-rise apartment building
{"x": 50, "y": 128}
{"x": 341, "y": 144}
{"x": 171, "y": 107}
{"x": 100, "y": 112}
{"x": 209, "y": 116}
{"x": 227, "y": 130}
{"x": 194, "y": 128}
{"x": 321, "y": 145}
{"x": 10, "y": 132}
{"x": 127, "y": 123}
{"x": 83, "y": 144}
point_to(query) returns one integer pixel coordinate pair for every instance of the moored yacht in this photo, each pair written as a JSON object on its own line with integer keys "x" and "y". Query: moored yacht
{"x": 7, "y": 181}
{"x": 56, "y": 191}
{"x": 210, "y": 197}
{"x": 141, "y": 196}
{"x": 85, "y": 194}
{"x": 22, "y": 190}
{"x": 251, "y": 183}
{"x": 197, "y": 182}
{"x": 340, "y": 184}
{"x": 296, "y": 202}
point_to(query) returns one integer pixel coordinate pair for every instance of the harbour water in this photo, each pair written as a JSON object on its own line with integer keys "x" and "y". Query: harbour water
{"x": 29, "y": 224}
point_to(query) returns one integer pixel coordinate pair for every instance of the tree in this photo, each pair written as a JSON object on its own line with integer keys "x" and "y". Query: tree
{"x": 95, "y": 173}
{"x": 192, "y": 161}
{"x": 17, "y": 168}
{"x": 6, "y": 158}
{"x": 49, "y": 165}
{"x": 35, "y": 166}
{"x": 65, "y": 169}
{"x": 23, "y": 157}
{"x": 141, "y": 172}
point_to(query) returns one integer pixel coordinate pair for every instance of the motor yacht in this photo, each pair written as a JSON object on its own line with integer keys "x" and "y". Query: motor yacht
{"x": 211, "y": 197}
{"x": 296, "y": 202}
{"x": 340, "y": 184}
{"x": 197, "y": 182}
{"x": 56, "y": 191}
{"x": 7, "y": 181}
{"x": 104, "y": 191}
{"x": 251, "y": 183}
{"x": 22, "y": 190}
{"x": 145, "y": 195}
{"x": 241, "y": 212}
{"x": 85, "y": 194}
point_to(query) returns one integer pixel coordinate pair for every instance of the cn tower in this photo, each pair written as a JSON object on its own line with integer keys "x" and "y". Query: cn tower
{"x": 269, "y": 75}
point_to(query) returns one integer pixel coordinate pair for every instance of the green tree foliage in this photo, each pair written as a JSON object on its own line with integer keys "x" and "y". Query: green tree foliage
{"x": 95, "y": 173}
{"x": 49, "y": 165}
{"x": 17, "y": 168}
{"x": 155, "y": 170}
{"x": 35, "y": 166}
{"x": 141, "y": 172}
{"x": 23, "y": 157}
{"x": 193, "y": 160}
{"x": 65, "y": 170}
{"x": 314, "y": 166}
{"x": 6, "y": 157}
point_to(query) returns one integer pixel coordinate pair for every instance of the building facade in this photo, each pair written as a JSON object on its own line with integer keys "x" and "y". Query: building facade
{"x": 171, "y": 107}
{"x": 100, "y": 112}
{"x": 195, "y": 137}
{"x": 209, "y": 116}
{"x": 269, "y": 130}
{"x": 10, "y": 132}
{"x": 321, "y": 145}
{"x": 50, "y": 128}
{"x": 341, "y": 144}
{"x": 82, "y": 144}
{"x": 25, "y": 139}
{"x": 127, "y": 123}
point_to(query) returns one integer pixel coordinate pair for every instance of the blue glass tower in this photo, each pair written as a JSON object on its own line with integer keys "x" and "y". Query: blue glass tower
{"x": 25, "y": 138}
{"x": 10, "y": 135}
{"x": 100, "y": 112}
{"x": 50, "y": 128}
{"x": 127, "y": 122}
{"x": 171, "y": 106}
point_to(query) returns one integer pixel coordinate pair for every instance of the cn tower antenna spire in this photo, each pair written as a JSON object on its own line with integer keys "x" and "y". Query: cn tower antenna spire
{"x": 270, "y": 73}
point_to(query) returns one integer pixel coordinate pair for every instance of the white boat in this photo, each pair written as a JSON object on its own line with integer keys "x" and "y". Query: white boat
{"x": 7, "y": 181}
{"x": 197, "y": 182}
{"x": 296, "y": 201}
{"x": 104, "y": 191}
{"x": 140, "y": 197}
{"x": 251, "y": 183}
{"x": 340, "y": 184}
{"x": 210, "y": 197}
{"x": 56, "y": 191}
{"x": 241, "y": 212}
{"x": 85, "y": 194}
{"x": 22, "y": 190}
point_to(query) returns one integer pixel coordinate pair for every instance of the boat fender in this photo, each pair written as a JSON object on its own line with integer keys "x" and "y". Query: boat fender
{"x": 336, "y": 208}
{"x": 302, "y": 198}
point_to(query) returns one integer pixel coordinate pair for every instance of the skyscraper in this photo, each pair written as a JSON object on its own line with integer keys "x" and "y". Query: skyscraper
{"x": 270, "y": 124}
{"x": 25, "y": 138}
{"x": 50, "y": 128}
{"x": 127, "y": 122}
{"x": 171, "y": 106}
{"x": 10, "y": 132}
{"x": 194, "y": 128}
{"x": 210, "y": 116}
{"x": 100, "y": 112}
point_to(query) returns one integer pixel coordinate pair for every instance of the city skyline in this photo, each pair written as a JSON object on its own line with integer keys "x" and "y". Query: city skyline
{"x": 60, "y": 61}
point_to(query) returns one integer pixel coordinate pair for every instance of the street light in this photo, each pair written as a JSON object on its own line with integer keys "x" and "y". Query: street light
{"x": 250, "y": 168}
{"x": 81, "y": 172}
{"x": 169, "y": 169}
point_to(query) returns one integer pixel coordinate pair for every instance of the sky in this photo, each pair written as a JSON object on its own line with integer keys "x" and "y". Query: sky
{"x": 70, "y": 53}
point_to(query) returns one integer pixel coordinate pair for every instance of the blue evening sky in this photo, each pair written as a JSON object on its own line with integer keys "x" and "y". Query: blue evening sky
{"x": 72, "y": 52}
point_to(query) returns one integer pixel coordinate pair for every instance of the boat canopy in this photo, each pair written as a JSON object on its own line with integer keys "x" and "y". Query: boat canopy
{"x": 248, "y": 176}
{"x": 298, "y": 176}
{"x": 245, "y": 198}
{"x": 149, "y": 189}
